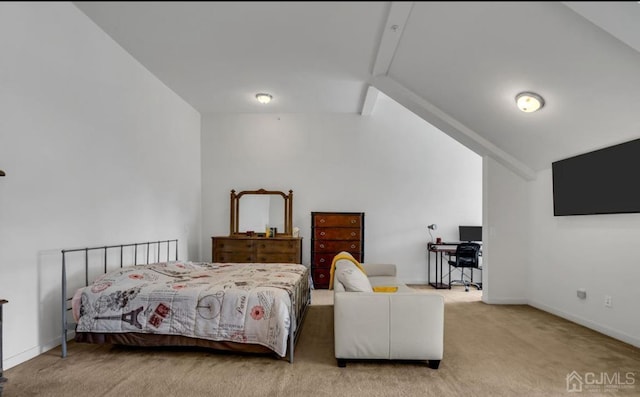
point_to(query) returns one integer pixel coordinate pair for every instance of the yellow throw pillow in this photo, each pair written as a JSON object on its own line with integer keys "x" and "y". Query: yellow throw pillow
{"x": 384, "y": 288}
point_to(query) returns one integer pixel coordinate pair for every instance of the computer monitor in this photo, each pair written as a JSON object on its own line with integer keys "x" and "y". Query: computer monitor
{"x": 470, "y": 233}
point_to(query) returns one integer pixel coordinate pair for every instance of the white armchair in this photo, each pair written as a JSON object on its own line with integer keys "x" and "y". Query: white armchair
{"x": 403, "y": 325}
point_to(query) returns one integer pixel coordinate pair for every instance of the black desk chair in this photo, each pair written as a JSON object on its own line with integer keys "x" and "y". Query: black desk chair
{"x": 467, "y": 256}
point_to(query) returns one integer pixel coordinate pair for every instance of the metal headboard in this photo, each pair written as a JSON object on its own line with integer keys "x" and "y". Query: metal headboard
{"x": 157, "y": 249}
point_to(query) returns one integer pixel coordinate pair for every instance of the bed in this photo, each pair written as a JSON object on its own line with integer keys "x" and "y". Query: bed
{"x": 153, "y": 299}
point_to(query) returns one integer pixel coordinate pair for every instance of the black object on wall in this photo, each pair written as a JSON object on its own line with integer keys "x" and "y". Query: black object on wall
{"x": 605, "y": 181}
{"x": 470, "y": 233}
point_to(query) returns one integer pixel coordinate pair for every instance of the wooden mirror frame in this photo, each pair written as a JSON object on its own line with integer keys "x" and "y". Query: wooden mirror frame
{"x": 235, "y": 210}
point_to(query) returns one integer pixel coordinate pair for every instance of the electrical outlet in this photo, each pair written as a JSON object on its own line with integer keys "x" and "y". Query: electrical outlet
{"x": 582, "y": 293}
{"x": 607, "y": 301}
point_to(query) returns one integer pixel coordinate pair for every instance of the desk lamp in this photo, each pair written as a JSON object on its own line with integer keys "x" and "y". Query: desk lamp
{"x": 431, "y": 227}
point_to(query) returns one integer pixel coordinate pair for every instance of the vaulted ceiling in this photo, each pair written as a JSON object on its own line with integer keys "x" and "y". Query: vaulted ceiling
{"x": 458, "y": 65}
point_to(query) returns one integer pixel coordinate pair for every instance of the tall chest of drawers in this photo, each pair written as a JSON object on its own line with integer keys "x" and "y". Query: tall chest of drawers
{"x": 331, "y": 233}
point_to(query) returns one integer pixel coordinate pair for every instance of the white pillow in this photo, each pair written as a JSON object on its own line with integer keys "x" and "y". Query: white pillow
{"x": 353, "y": 279}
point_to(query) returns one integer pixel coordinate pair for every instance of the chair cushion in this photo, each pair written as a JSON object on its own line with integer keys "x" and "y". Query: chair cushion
{"x": 351, "y": 277}
{"x": 377, "y": 281}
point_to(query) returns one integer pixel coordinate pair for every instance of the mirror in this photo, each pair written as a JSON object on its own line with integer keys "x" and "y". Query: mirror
{"x": 252, "y": 210}
{"x": 257, "y": 211}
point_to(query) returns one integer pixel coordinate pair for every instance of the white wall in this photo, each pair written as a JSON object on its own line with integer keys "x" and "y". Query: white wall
{"x": 536, "y": 258}
{"x": 96, "y": 150}
{"x": 402, "y": 172}
{"x": 595, "y": 252}
{"x": 506, "y": 256}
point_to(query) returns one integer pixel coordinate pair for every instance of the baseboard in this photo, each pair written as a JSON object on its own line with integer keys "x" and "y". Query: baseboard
{"x": 504, "y": 301}
{"x": 30, "y": 353}
{"x": 587, "y": 323}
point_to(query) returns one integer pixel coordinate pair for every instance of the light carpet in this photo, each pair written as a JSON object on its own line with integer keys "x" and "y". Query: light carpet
{"x": 490, "y": 350}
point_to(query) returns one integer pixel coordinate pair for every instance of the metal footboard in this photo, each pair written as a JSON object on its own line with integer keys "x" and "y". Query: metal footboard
{"x": 300, "y": 301}
{"x": 129, "y": 254}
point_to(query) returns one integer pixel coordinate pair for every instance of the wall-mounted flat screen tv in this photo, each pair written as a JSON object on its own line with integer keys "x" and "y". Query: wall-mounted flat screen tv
{"x": 605, "y": 181}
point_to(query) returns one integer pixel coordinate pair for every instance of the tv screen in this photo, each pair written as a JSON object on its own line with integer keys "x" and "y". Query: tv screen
{"x": 604, "y": 181}
{"x": 470, "y": 233}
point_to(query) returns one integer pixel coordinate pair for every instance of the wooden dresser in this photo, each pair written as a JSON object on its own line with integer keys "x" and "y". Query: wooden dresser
{"x": 331, "y": 233}
{"x": 239, "y": 249}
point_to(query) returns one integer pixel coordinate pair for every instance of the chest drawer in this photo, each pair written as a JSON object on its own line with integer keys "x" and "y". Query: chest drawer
{"x": 322, "y": 260}
{"x": 336, "y": 246}
{"x": 325, "y": 260}
{"x": 321, "y": 278}
{"x": 344, "y": 233}
{"x": 337, "y": 220}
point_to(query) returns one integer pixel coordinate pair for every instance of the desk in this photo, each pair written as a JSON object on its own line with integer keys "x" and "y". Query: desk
{"x": 2, "y": 378}
{"x": 448, "y": 248}
{"x": 439, "y": 250}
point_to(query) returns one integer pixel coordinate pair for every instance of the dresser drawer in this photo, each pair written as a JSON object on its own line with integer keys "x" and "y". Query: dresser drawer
{"x": 233, "y": 257}
{"x": 277, "y": 258}
{"x": 336, "y": 246}
{"x": 335, "y": 220}
{"x": 278, "y": 246}
{"x": 257, "y": 249}
{"x": 232, "y": 245}
{"x": 345, "y": 233}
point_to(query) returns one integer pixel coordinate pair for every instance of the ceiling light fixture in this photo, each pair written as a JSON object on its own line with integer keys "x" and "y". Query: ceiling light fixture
{"x": 529, "y": 102}
{"x": 264, "y": 98}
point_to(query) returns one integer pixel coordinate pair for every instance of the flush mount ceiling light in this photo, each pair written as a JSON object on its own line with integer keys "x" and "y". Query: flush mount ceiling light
{"x": 529, "y": 102}
{"x": 264, "y": 98}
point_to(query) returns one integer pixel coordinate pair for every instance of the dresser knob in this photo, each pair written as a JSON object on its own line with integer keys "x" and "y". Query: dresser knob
{"x": 353, "y": 221}
{"x": 322, "y": 220}
{"x": 321, "y": 260}
{"x": 321, "y": 245}
{"x": 353, "y": 233}
{"x": 322, "y": 233}
{"x": 321, "y": 276}
{"x": 353, "y": 246}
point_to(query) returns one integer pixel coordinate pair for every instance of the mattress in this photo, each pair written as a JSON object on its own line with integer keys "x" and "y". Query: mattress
{"x": 193, "y": 303}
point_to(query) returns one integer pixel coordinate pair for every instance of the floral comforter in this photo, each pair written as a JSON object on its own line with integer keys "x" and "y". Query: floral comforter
{"x": 239, "y": 302}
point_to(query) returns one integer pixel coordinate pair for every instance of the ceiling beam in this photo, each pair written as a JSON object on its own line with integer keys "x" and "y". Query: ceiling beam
{"x": 369, "y": 101}
{"x": 450, "y": 126}
{"x": 399, "y": 13}
{"x": 396, "y": 22}
{"x": 391, "y": 34}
